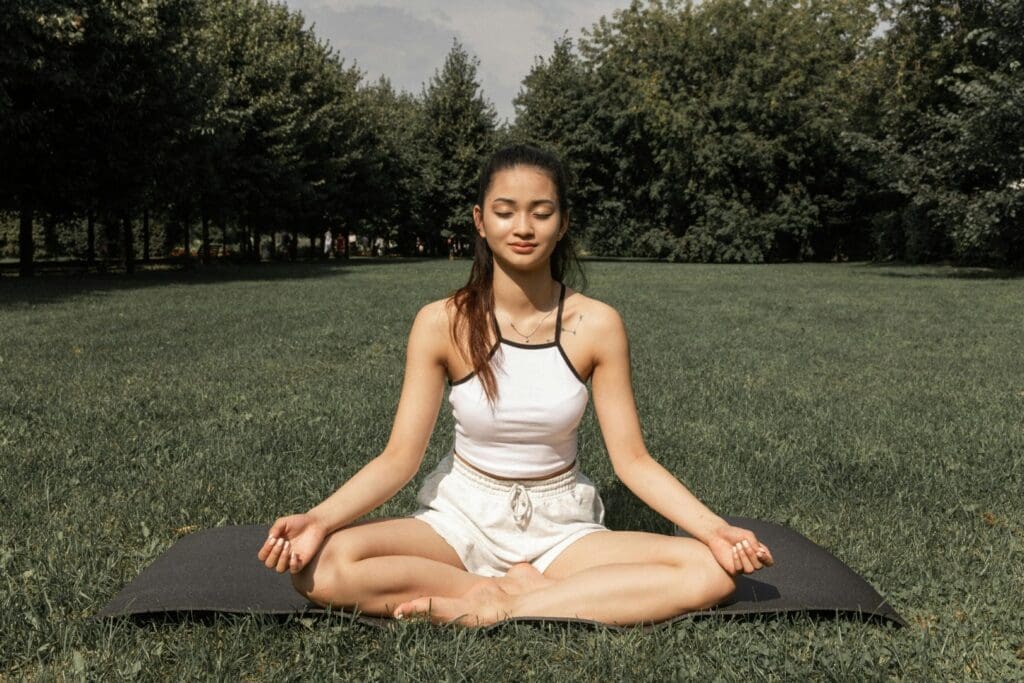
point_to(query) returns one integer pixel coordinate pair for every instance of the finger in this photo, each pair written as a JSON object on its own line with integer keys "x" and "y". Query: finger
{"x": 766, "y": 555}
{"x": 727, "y": 564}
{"x": 279, "y": 528}
{"x": 282, "y": 560}
{"x": 737, "y": 563}
{"x": 267, "y": 546}
{"x": 748, "y": 568}
{"x": 275, "y": 554}
{"x": 751, "y": 554}
{"x": 294, "y": 564}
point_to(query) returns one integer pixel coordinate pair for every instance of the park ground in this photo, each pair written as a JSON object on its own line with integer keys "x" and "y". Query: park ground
{"x": 878, "y": 410}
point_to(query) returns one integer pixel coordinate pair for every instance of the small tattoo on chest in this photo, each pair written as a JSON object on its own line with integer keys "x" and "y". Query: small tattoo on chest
{"x": 573, "y": 330}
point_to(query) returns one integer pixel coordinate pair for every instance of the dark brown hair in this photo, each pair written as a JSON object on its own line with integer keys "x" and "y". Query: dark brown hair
{"x": 474, "y": 303}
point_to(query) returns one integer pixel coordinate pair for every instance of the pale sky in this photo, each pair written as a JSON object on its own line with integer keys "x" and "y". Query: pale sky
{"x": 407, "y": 41}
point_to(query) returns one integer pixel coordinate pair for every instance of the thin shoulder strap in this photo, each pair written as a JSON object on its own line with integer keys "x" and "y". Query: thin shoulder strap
{"x": 558, "y": 319}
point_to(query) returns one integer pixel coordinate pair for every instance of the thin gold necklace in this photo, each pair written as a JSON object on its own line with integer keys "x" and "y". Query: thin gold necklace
{"x": 527, "y": 336}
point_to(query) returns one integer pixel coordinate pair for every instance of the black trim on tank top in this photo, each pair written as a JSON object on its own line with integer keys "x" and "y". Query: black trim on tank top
{"x": 547, "y": 345}
{"x": 572, "y": 368}
{"x": 468, "y": 377}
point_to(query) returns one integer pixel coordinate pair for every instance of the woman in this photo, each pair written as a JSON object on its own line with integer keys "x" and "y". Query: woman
{"x": 508, "y": 525}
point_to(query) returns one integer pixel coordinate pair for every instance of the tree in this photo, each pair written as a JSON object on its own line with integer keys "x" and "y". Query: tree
{"x": 458, "y": 129}
{"x": 39, "y": 87}
{"x": 947, "y": 152}
{"x": 555, "y": 108}
{"x": 397, "y": 185}
{"x": 725, "y": 122}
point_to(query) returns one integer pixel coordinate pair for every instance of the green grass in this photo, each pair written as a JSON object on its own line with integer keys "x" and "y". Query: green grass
{"x": 877, "y": 410}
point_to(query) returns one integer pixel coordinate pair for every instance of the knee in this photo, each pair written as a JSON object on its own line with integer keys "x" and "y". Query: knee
{"x": 302, "y": 581}
{"x": 720, "y": 584}
{"x": 707, "y": 582}
{"x": 319, "y": 581}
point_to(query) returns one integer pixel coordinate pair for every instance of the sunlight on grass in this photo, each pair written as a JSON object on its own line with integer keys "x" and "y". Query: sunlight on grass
{"x": 877, "y": 410}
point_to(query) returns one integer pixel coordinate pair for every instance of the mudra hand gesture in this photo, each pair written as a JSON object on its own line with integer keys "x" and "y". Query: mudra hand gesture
{"x": 293, "y": 541}
{"x": 738, "y": 550}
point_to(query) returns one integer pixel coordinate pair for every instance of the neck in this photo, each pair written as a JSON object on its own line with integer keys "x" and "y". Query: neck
{"x": 520, "y": 294}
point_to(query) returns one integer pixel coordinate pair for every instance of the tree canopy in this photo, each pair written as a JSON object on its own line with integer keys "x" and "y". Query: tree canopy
{"x": 724, "y": 131}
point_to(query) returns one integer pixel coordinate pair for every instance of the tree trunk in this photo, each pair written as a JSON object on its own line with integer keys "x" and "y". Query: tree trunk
{"x": 206, "y": 237}
{"x": 293, "y": 246}
{"x": 187, "y": 238}
{"x": 128, "y": 244}
{"x": 145, "y": 235}
{"x": 257, "y": 254}
{"x": 345, "y": 244}
{"x": 50, "y": 237}
{"x": 105, "y": 246}
{"x": 90, "y": 239}
{"x": 26, "y": 248}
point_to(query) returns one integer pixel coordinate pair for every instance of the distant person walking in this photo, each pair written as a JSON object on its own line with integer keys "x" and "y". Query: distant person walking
{"x": 328, "y": 238}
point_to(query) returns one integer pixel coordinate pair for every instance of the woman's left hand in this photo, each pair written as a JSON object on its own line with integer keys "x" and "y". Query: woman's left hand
{"x": 738, "y": 550}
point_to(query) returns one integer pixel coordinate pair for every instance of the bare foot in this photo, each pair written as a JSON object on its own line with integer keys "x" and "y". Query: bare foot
{"x": 482, "y": 605}
{"x": 523, "y": 578}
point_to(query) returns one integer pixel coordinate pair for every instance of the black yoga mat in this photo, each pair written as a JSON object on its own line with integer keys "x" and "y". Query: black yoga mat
{"x": 216, "y": 570}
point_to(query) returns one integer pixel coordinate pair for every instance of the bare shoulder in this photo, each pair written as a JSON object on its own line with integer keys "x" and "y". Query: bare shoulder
{"x": 436, "y": 313}
{"x": 599, "y": 318}
{"x": 430, "y": 328}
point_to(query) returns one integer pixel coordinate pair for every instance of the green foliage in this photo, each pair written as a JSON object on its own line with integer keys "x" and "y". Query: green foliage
{"x": 458, "y": 129}
{"x": 39, "y": 88}
{"x": 729, "y": 130}
{"x": 948, "y": 148}
{"x": 554, "y": 109}
{"x": 708, "y": 133}
{"x": 397, "y": 187}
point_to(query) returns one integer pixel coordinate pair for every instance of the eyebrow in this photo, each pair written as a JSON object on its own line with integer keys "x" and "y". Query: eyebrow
{"x": 532, "y": 204}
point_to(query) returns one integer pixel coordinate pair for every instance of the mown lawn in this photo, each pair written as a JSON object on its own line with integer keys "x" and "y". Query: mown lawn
{"x": 877, "y": 410}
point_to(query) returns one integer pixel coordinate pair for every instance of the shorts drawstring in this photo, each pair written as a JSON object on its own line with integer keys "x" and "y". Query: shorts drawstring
{"x": 522, "y": 506}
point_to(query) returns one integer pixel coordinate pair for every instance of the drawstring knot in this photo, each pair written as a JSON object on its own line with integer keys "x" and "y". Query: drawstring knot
{"x": 522, "y": 507}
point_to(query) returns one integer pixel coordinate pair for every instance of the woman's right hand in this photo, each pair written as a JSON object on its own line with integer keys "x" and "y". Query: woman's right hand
{"x": 292, "y": 543}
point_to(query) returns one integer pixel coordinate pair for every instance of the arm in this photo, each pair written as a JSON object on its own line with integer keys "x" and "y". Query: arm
{"x": 642, "y": 474}
{"x": 418, "y": 406}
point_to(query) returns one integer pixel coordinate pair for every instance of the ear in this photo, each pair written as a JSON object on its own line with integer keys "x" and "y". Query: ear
{"x": 478, "y": 220}
{"x": 565, "y": 225}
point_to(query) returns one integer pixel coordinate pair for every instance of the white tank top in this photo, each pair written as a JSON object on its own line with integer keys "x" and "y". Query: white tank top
{"x": 541, "y": 399}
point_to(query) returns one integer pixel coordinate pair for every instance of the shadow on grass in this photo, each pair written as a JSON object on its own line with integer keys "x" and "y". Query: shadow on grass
{"x": 926, "y": 271}
{"x": 53, "y": 287}
{"x": 625, "y": 512}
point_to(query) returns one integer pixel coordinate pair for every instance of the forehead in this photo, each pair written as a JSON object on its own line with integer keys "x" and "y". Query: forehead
{"x": 522, "y": 182}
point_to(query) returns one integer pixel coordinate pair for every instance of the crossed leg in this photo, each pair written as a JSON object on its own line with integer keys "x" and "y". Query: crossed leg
{"x": 377, "y": 565}
{"x": 615, "y": 577}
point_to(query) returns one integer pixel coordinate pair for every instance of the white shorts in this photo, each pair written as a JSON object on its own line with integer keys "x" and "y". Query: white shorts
{"x": 494, "y": 523}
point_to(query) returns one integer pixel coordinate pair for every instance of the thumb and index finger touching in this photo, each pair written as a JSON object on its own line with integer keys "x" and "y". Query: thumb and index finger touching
{"x": 278, "y": 551}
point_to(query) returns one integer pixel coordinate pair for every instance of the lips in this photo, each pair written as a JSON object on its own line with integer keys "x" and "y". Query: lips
{"x": 523, "y": 247}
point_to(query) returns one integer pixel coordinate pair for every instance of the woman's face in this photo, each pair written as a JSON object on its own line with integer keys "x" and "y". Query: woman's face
{"x": 520, "y": 218}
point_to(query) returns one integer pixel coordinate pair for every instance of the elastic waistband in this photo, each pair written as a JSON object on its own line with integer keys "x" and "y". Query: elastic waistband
{"x": 556, "y": 484}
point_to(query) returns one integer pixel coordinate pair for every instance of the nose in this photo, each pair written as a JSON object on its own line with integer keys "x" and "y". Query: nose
{"x": 522, "y": 227}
